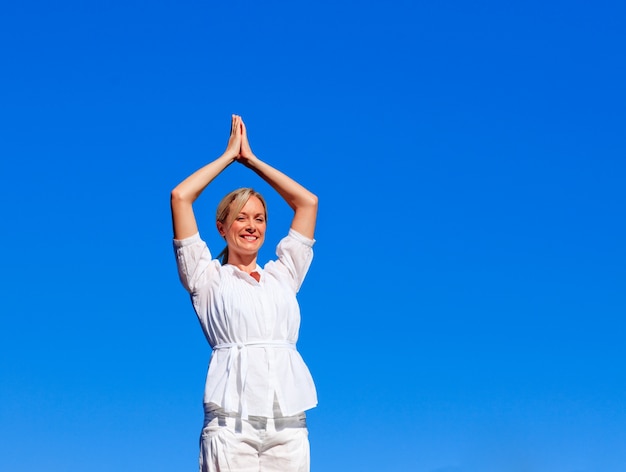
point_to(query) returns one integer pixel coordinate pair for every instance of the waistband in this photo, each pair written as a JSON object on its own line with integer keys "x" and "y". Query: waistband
{"x": 241, "y": 345}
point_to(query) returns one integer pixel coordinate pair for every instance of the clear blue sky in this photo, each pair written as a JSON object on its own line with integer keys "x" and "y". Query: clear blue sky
{"x": 465, "y": 308}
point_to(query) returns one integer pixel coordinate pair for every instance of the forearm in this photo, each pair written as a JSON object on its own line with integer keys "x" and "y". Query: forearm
{"x": 302, "y": 201}
{"x": 182, "y": 197}
{"x": 191, "y": 188}
{"x": 292, "y": 192}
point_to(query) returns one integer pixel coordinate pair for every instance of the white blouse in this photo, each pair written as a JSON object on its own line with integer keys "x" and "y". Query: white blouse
{"x": 251, "y": 326}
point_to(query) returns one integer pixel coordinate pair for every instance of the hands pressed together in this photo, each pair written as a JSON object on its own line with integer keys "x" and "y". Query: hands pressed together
{"x": 238, "y": 146}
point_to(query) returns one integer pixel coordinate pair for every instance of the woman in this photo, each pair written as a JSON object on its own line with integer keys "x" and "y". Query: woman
{"x": 257, "y": 386}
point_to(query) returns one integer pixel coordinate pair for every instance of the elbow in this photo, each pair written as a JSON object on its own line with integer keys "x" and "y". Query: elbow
{"x": 177, "y": 195}
{"x": 307, "y": 201}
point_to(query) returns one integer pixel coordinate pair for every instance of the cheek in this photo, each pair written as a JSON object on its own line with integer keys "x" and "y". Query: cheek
{"x": 234, "y": 228}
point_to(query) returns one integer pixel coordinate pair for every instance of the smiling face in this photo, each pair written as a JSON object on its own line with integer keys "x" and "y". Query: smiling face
{"x": 246, "y": 233}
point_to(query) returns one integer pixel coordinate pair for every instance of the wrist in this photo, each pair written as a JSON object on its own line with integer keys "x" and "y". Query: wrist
{"x": 250, "y": 160}
{"x": 230, "y": 155}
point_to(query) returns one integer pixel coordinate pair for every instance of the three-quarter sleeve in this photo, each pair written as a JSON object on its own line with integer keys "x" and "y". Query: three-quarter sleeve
{"x": 193, "y": 259}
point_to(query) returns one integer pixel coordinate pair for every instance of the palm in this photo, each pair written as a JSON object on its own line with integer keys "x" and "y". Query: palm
{"x": 234, "y": 141}
{"x": 246, "y": 151}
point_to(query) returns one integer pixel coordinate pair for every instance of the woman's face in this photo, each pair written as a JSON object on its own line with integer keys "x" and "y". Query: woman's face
{"x": 246, "y": 234}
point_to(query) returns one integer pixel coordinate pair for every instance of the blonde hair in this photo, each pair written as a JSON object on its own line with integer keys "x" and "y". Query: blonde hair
{"x": 229, "y": 208}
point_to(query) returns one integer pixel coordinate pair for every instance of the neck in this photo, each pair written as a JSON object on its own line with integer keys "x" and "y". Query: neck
{"x": 247, "y": 264}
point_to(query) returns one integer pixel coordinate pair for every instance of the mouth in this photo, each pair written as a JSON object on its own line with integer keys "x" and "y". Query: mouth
{"x": 250, "y": 238}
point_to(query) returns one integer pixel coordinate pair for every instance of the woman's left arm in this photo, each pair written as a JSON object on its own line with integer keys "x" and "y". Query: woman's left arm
{"x": 302, "y": 202}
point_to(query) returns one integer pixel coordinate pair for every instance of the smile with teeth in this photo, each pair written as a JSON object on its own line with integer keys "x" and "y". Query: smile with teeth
{"x": 250, "y": 238}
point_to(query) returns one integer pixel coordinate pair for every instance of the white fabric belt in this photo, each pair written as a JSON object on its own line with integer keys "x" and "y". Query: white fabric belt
{"x": 240, "y": 350}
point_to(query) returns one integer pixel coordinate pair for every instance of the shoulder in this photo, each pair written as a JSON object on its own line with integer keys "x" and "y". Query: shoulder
{"x": 295, "y": 253}
{"x": 195, "y": 264}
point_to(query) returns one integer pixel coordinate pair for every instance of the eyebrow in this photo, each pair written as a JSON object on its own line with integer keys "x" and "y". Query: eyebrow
{"x": 255, "y": 214}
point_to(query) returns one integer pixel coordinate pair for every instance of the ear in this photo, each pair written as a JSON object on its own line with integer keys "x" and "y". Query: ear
{"x": 220, "y": 229}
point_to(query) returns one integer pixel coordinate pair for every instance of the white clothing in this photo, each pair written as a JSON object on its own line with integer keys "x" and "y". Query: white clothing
{"x": 232, "y": 444}
{"x": 252, "y": 327}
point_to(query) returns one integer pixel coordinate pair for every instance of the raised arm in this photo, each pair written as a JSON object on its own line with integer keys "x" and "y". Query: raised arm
{"x": 303, "y": 202}
{"x": 185, "y": 193}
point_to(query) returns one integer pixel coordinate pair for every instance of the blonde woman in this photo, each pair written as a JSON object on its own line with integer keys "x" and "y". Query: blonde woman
{"x": 257, "y": 387}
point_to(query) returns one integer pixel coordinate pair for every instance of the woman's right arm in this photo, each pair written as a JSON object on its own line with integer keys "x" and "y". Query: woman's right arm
{"x": 185, "y": 193}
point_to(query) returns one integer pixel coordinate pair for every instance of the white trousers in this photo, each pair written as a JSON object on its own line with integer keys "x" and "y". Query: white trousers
{"x": 258, "y": 444}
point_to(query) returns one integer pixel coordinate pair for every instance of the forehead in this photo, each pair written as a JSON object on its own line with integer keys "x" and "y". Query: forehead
{"x": 253, "y": 206}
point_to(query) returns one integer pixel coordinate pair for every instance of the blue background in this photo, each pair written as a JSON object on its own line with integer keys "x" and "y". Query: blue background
{"x": 465, "y": 308}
